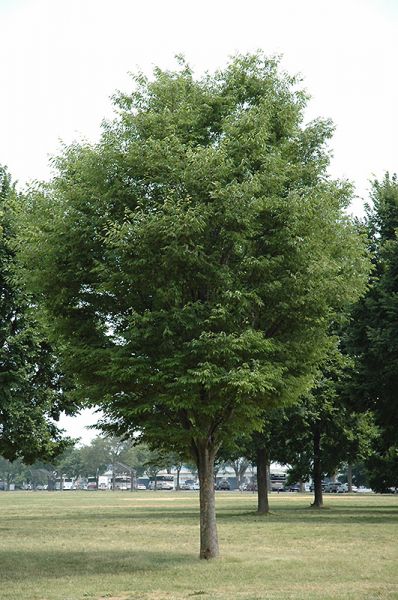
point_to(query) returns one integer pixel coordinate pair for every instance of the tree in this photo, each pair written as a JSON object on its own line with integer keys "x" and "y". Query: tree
{"x": 190, "y": 261}
{"x": 240, "y": 464}
{"x": 373, "y": 333}
{"x": 31, "y": 384}
{"x": 13, "y": 472}
{"x": 116, "y": 449}
{"x": 263, "y": 447}
{"x": 157, "y": 461}
{"x": 137, "y": 456}
{"x": 69, "y": 462}
{"x": 95, "y": 457}
{"x": 322, "y": 432}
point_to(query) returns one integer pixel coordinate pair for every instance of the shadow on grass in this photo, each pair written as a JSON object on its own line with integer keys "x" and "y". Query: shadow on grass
{"x": 328, "y": 514}
{"x": 48, "y": 564}
{"x": 285, "y": 514}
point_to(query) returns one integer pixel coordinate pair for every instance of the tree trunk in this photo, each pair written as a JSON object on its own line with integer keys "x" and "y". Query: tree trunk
{"x": 317, "y": 472}
{"x": 242, "y": 473}
{"x": 178, "y": 478}
{"x": 208, "y": 527}
{"x": 131, "y": 480}
{"x": 262, "y": 484}
{"x": 237, "y": 476}
{"x": 269, "y": 482}
{"x": 349, "y": 477}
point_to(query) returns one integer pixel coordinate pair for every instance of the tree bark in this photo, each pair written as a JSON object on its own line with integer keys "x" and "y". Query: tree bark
{"x": 131, "y": 480}
{"x": 208, "y": 527}
{"x": 262, "y": 483}
{"x": 178, "y": 477}
{"x": 317, "y": 471}
{"x": 349, "y": 477}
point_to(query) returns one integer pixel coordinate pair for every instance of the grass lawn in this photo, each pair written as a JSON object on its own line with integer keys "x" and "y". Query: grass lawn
{"x": 144, "y": 546}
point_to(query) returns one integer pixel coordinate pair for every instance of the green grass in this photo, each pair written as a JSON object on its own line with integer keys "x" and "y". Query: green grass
{"x": 144, "y": 546}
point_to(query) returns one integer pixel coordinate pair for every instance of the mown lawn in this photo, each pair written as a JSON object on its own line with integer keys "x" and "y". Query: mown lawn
{"x": 144, "y": 546}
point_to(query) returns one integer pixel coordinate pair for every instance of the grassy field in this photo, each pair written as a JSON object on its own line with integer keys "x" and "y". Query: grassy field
{"x": 144, "y": 546}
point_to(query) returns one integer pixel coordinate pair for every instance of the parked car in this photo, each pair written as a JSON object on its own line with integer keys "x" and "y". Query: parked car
{"x": 249, "y": 487}
{"x": 141, "y": 486}
{"x": 334, "y": 487}
{"x": 277, "y": 487}
{"x": 187, "y": 485}
{"x": 292, "y": 488}
{"x": 364, "y": 490}
{"x": 342, "y": 488}
{"x": 160, "y": 485}
{"x": 223, "y": 485}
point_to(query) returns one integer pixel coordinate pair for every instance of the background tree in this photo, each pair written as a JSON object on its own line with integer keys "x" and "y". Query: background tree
{"x": 157, "y": 460}
{"x": 13, "y": 472}
{"x": 191, "y": 260}
{"x": 69, "y": 462}
{"x": 322, "y": 432}
{"x": 373, "y": 334}
{"x": 264, "y": 446}
{"x": 240, "y": 464}
{"x": 95, "y": 457}
{"x": 32, "y": 388}
{"x": 138, "y": 456}
{"x": 232, "y": 454}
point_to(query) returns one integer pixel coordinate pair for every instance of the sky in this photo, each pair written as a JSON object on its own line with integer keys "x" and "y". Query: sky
{"x": 61, "y": 61}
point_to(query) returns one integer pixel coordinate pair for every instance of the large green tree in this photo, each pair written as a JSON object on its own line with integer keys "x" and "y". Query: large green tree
{"x": 191, "y": 260}
{"x": 373, "y": 336}
{"x": 31, "y": 386}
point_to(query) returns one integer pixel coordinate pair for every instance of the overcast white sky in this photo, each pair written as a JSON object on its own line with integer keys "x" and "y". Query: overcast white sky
{"x": 61, "y": 60}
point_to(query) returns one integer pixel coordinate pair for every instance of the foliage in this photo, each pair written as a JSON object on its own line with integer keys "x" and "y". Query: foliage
{"x": 373, "y": 334}
{"x": 382, "y": 470}
{"x": 13, "y": 472}
{"x": 191, "y": 260}
{"x": 31, "y": 385}
{"x": 344, "y": 435}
